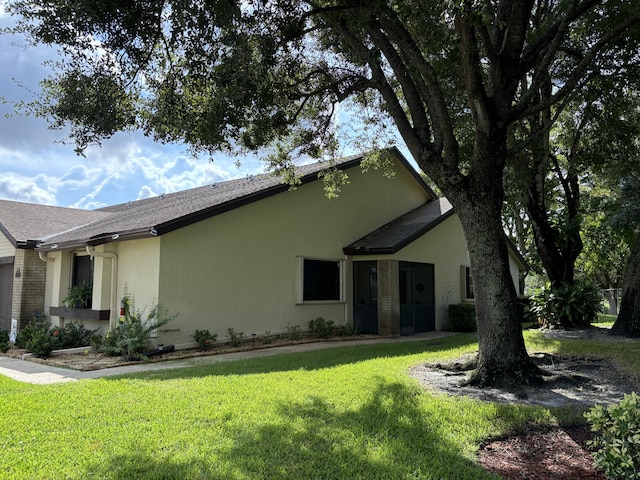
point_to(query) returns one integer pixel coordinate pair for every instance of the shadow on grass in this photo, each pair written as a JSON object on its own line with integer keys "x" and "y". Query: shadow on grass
{"x": 390, "y": 436}
{"x": 313, "y": 360}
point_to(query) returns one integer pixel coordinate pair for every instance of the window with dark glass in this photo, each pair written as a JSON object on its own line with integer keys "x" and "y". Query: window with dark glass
{"x": 321, "y": 280}
{"x": 82, "y": 270}
{"x": 468, "y": 283}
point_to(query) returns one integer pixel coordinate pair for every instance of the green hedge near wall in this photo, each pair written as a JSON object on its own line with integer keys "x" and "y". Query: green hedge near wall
{"x": 462, "y": 317}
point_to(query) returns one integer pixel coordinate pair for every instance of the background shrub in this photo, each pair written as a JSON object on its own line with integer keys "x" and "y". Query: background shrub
{"x": 617, "y": 443}
{"x": 131, "y": 337}
{"x": 4, "y": 341}
{"x": 322, "y": 328}
{"x": 294, "y": 333}
{"x": 462, "y": 317}
{"x": 43, "y": 341}
{"x": 39, "y": 321}
{"x": 235, "y": 338}
{"x": 205, "y": 339}
{"x": 75, "y": 335}
{"x": 566, "y": 305}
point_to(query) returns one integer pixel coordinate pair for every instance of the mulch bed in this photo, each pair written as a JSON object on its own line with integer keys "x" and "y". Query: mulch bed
{"x": 553, "y": 455}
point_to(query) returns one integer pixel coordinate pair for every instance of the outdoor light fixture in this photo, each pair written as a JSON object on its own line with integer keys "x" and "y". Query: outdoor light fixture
{"x": 253, "y": 340}
{"x": 18, "y": 273}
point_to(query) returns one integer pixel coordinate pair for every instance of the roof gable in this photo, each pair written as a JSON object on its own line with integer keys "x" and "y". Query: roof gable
{"x": 165, "y": 213}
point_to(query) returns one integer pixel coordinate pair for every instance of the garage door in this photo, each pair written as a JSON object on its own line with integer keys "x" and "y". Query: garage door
{"x": 6, "y": 293}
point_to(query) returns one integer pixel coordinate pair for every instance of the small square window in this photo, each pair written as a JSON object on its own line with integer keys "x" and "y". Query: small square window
{"x": 321, "y": 280}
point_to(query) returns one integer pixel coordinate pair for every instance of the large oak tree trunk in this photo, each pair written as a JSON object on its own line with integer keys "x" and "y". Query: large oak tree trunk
{"x": 478, "y": 200}
{"x": 503, "y": 359}
{"x": 628, "y": 322}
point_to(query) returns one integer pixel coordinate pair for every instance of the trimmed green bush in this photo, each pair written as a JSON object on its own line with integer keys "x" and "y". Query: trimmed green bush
{"x": 617, "y": 443}
{"x": 462, "y": 317}
{"x": 322, "y": 328}
{"x": 43, "y": 342}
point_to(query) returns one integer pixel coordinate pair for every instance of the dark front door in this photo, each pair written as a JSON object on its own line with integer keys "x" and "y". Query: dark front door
{"x": 6, "y": 295}
{"x": 417, "y": 299}
{"x": 365, "y": 296}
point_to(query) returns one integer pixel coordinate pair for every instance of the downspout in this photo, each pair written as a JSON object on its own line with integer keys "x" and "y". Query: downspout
{"x": 114, "y": 279}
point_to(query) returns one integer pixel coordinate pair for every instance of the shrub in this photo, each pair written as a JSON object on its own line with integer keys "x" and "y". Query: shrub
{"x": 266, "y": 337}
{"x": 617, "y": 445}
{"x": 322, "y": 328}
{"x": 39, "y": 321}
{"x": 75, "y": 335}
{"x": 235, "y": 339}
{"x": 294, "y": 332}
{"x": 205, "y": 339}
{"x": 4, "y": 341}
{"x": 462, "y": 317}
{"x": 349, "y": 330}
{"x": 44, "y": 341}
{"x": 131, "y": 337}
{"x": 565, "y": 305}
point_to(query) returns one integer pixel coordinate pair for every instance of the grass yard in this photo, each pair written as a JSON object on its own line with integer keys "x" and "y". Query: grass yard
{"x": 346, "y": 413}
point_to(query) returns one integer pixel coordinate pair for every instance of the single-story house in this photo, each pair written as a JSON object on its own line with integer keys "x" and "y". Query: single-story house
{"x": 387, "y": 255}
{"x": 22, "y": 272}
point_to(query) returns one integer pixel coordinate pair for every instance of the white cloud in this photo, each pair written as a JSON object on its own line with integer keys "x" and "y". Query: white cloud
{"x": 19, "y": 188}
{"x": 146, "y": 192}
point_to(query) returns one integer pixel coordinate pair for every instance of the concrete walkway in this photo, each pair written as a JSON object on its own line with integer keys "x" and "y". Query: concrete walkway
{"x": 37, "y": 373}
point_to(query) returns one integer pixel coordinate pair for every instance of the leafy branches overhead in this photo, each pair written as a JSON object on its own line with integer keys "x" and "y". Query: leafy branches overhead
{"x": 453, "y": 78}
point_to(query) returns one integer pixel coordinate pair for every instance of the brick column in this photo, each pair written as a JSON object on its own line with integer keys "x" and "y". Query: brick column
{"x": 388, "y": 298}
{"x": 28, "y": 288}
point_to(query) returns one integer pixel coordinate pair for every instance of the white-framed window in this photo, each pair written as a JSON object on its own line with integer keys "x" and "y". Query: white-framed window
{"x": 320, "y": 280}
{"x": 466, "y": 284}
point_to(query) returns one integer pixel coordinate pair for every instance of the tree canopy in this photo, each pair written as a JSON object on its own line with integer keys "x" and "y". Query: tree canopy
{"x": 453, "y": 78}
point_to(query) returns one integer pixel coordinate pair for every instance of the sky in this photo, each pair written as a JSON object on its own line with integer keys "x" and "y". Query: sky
{"x": 36, "y": 168}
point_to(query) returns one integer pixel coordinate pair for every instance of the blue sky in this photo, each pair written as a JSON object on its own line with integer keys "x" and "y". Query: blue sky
{"x": 35, "y": 168}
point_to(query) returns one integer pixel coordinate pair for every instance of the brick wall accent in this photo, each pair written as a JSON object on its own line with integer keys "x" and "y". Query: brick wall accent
{"x": 28, "y": 288}
{"x": 388, "y": 298}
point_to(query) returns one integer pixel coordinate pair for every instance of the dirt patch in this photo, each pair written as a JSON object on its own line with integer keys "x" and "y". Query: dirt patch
{"x": 570, "y": 381}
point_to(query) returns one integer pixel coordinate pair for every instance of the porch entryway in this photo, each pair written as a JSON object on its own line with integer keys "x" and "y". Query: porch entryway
{"x": 404, "y": 302}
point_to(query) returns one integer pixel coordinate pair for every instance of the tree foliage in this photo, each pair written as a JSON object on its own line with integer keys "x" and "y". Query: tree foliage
{"x": 453, "y": 78}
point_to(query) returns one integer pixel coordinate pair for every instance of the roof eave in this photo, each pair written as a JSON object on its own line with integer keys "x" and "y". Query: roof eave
{"x": 390, "y": 250}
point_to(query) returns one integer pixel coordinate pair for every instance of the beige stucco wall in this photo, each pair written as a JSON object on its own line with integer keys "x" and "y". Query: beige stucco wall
{"x": 240, "y": 269}
{"x": 6, "y": 249}
{"x": 139, "y": 271}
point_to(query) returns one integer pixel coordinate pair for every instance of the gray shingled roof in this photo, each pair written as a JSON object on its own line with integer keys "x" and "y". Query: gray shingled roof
{"x": 159, "y": 215}
{"x": 25, "y": 224}
{"x": 402, "y": 231}
{"x": 56, "y": 227}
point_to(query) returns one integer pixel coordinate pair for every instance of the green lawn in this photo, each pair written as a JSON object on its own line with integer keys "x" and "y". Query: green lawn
{"x": 346, "y": 413}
